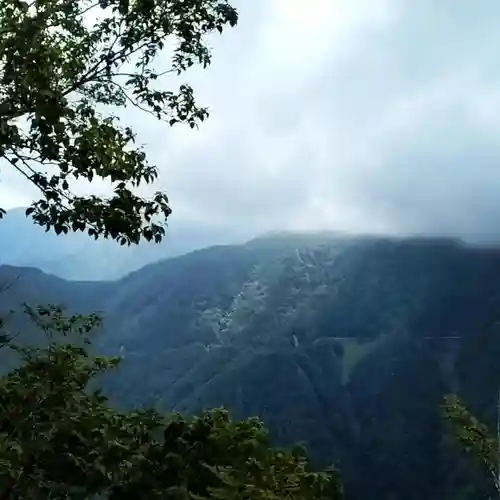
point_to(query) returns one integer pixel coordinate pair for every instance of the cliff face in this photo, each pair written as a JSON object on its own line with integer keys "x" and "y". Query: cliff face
{"x": 346, "y": 344}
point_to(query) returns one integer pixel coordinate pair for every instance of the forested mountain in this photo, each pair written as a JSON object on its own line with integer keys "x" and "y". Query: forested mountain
{"x": 347, "y": 344}
{"x": 78, "y": 257}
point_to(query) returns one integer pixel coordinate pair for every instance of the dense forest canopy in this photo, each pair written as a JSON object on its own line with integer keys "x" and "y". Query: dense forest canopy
{"x": 60, "y": 438}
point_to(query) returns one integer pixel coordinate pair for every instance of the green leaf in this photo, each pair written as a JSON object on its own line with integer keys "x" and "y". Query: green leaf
{"x": 59, "y": 76}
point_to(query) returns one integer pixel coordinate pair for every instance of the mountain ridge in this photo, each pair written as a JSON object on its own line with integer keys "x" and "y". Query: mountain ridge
{"x": 346, "y": 344}
{"x": 76, "y": 256}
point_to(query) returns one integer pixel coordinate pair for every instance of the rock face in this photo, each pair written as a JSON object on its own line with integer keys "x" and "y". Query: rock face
{"x": 346, "y": 344}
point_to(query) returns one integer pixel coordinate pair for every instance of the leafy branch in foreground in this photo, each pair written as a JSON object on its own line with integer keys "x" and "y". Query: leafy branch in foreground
{"x": 60, "y": 439}
{"x": 474, "y": 436}
{"x": 62, "y": 64}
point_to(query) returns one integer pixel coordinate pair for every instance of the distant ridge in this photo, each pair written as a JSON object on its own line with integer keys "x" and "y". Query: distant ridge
{"x": 77, "y": 257}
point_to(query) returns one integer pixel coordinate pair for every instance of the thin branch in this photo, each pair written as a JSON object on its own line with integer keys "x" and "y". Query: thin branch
{"x": 92, "y": 73}
{"x": 34, "y": 172}
{"x": 129, "y": 99}
{"x": 158, "y": 75}
{"x": 88, "y": 9}
{"x": 167, "y": 71}
{"x": 57, "y": 202}
{"x": 20, "y": 170}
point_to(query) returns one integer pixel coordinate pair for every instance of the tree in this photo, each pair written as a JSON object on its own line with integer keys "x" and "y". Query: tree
{"x": 61, "y": 439}
{"x": 63, "y": 64}
{"x": 474, "y": 436}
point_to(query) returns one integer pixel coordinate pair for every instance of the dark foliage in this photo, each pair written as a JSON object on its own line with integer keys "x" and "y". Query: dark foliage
{"x": 62, "y": 64}
{"x": 60, "y": 439}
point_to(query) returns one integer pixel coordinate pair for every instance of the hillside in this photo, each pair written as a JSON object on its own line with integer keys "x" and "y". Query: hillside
{"x": 345, "y": 343}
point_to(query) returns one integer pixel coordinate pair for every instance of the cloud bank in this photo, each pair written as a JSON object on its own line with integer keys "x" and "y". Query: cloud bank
{"x": 355, "y": 115}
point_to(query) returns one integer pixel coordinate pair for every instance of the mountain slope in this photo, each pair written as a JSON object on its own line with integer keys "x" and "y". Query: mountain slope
{"x": 345, "y": 343}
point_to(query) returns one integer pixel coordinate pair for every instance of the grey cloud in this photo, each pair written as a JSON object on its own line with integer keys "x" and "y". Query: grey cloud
{"x": 389, "y": 135}
{"x": 444, "y": 179}
{"x": 430, "y": 132}
{"x": 367, "y": 115}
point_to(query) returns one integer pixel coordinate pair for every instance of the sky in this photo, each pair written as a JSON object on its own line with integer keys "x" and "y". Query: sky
{"x": 352, "y": 115}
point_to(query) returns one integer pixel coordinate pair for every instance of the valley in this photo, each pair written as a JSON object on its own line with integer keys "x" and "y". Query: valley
{"x": 346, "y": 344}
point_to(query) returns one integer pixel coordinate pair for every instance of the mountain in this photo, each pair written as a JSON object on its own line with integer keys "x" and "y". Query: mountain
{"x": 75, "y": 256}
{"x": 347, "y": 344}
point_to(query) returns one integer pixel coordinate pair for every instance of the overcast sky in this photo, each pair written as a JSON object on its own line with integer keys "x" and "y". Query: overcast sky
{"x": 357, "y": 115}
